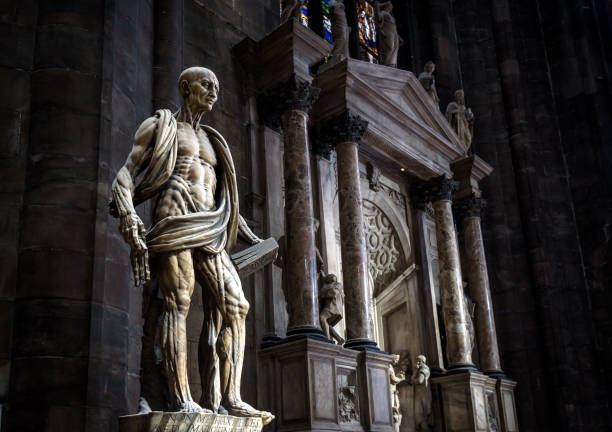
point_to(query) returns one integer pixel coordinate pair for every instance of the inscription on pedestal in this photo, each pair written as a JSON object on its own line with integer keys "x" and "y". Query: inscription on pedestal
{"x": 188, "y": 422}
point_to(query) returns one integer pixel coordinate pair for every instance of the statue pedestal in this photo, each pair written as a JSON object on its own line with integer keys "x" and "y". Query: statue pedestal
{"x": 507, "y": 406}
{"x": 466, "y": 401}
{"x": 313, "y": 385}
{"x": 158, "y": 421}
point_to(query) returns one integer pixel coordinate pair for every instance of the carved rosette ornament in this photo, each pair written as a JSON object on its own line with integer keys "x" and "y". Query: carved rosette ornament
{"x": 346, "y": 127}
{"x": 294, "y": 94}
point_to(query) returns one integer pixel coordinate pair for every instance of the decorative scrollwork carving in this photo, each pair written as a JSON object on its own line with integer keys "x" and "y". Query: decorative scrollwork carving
{"x": 385, "y": 257}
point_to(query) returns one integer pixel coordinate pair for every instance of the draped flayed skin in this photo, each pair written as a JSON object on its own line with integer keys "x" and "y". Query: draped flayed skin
{"x": 212, "y": 230}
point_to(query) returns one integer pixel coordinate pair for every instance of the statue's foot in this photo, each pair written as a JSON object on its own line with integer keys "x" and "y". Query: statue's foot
{"x": 222, "y": 410}
{"x": 243, "y": 409}
{"x": 143, "y": 406}
{"x": 191, "y": 406}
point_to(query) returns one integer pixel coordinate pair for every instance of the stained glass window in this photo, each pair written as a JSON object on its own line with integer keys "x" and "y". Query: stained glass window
{"x": 366, "y": 22}
{"x": 327, "y": 31}
{"x": 304, "y": 14}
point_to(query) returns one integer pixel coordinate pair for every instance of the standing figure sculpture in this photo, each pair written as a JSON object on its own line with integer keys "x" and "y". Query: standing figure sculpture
{"x": 340, "y": 30}
{"x": 188, "y": 166}
{"x": 395, "y": 378}
{"x": 422, "y": 395}
{"x": 390, "y": 39}
{"x": 331, "y": 302}
{"x": 461, "y": 119}
{"x": 291, "y": 9}
{"x": 429, "y": 82}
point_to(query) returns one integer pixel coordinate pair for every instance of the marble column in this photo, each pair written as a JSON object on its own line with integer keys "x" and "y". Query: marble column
{"x": 293, "y": 100}
{"x": 458, "y": 344}
{"x": 468, "y": 210}
{"x": 344, "y": 132}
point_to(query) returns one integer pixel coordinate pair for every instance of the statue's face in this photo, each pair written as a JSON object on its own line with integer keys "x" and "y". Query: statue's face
{"x": 430, "y": 67}
{"x": 203, "y": 91}
{"x": 459, "y": 96}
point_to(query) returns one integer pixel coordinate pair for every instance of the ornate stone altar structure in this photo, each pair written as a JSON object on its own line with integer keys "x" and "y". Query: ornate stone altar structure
{"x": 372, "y": 134}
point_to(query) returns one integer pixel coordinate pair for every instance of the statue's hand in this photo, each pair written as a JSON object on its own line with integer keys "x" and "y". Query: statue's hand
{"x": 133, "y": 231}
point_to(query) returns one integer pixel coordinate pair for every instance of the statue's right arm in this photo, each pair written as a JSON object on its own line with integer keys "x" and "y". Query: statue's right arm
{"x": 130, "y": 225}
{"x": 123, "y": 186}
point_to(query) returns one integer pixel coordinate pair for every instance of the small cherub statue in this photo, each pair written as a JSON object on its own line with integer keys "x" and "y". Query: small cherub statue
{"x": 331, "y": 301}
{"x": 429, "y": 82}
{"x": 395, "y": 378}
{"x": 461, "y": 119}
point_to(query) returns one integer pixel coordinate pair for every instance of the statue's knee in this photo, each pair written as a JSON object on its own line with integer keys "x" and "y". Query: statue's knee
{"x": 183, "y": 300}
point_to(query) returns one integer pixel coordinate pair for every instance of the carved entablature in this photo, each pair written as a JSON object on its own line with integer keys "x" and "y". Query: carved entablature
{"x": 470, "y": 206}
{"x": 436, "y": 189}
{"x": 346, "y": 127}
{"x": 385, "y": 257}
{"x": 294, "y": 94}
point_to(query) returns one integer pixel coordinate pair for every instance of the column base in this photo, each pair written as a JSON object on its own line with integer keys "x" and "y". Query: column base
{"x": 298, "y": 333}
{"x": 269, "y": 340}
{"x": 461, "y": 368}
{"x": 314, "y": 386}
{"x": 465, "y": 402}
{"x": 494, "y": 373}
{"x": 362, "y": 345}
{"x": 507, "y": 406}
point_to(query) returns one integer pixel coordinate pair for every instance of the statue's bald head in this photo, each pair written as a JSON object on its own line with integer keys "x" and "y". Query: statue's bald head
{"x": 199, "y": 88}
{"x": 195, "y": 73}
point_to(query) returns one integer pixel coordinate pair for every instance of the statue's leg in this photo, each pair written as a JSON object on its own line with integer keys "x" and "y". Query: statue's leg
{"x": 323, "y": 316}
{"x": 176, "y": 280}
{"x": 152, "y": 382}
{"x": 208, "y": 358}
{"x": 206, "y": 269}
{"x": 236, "y": 308}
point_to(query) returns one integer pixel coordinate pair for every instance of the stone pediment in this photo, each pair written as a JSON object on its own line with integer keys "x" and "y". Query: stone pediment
{"x": 404, "y": 124}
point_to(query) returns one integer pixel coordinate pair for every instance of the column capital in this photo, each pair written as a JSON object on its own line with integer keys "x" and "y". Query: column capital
{"x": 346, "y": 127}
{"x": 296, "y": 93}
{"x": 435, "y": 189}
{"x": 469, "y": 206}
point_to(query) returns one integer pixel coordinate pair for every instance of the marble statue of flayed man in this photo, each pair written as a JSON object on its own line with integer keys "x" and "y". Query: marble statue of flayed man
{"x": 461, "y": 119}
{"x": 390, "y": 39}
{"x": 189, "y": 168}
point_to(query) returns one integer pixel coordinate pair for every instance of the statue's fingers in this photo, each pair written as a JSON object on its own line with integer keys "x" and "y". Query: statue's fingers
{"x": 135, "y": 236}
{"x": 142, "y": 266}
{"x": 146, "y": 265}
{"x": 136, "y": 265}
